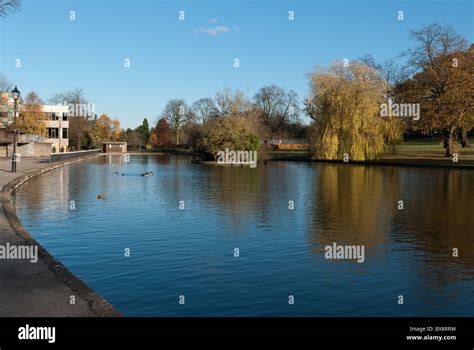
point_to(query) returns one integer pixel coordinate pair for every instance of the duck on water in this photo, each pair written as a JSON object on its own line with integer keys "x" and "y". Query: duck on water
{"x": 148, "y": 173}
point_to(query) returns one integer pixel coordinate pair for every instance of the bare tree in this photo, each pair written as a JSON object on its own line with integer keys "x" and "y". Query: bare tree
{"x": 432, "y": 42}
{"x": 277, "y": 106}
{"x": 9, "y": 6}
{"x": 75, "y": 97}
{"x": 390, "y": 71}
{"x": 231, "y": 103}
{"x": 5, "y": 84}
{"x": 204, "y": 109}
{"x": 80, "y": 123}
{"x": 177, "y": 114}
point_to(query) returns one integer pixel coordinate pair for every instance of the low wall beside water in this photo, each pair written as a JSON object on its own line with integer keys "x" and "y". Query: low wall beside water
{"x": 32, "y": 149}
{"x": 61, "y": 157}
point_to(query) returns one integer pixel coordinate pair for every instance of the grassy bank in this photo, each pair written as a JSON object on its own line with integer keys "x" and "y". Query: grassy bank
{"x": 174, "y": 151}
{"x": 425, "y": 149}
{"x": 421, "y": 152}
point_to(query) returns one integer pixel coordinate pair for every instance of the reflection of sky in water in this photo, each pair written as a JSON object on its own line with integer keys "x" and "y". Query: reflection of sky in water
{"x": 190, "y": 251}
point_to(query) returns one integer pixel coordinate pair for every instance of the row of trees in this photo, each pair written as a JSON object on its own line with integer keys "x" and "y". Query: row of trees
{"x": 345, "y": 103}
{"x": 229, "y": 120}
{"x": 275, "y": 107}
{"x": 345, "y": 100}
{"x": 86, "y": 129}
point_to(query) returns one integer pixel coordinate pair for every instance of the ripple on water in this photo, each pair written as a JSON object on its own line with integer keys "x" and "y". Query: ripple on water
{"x": 281, "y": 251}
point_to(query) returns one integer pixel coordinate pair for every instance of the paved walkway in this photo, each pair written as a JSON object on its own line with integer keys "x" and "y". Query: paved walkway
{"x": 43, "y": 288}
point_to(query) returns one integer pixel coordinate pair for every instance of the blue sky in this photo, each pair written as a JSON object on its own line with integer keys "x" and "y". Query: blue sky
{"x": 194, "y": 58}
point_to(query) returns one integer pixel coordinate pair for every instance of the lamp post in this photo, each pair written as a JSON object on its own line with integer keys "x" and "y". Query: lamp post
{"x": 16, "y": 96}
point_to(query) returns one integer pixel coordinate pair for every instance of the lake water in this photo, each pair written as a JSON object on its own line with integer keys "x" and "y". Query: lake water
{"x": 190, "y": 252}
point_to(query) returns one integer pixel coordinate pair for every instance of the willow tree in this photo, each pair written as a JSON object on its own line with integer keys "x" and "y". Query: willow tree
{"x": 344, "y": 103}
{"x": 393, "y": 74}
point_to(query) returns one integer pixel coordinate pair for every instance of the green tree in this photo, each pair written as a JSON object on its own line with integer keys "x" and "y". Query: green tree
{"x": 144, "y": 131}
{"x": 234, "y": 133}
{"x": 86, "y": 141}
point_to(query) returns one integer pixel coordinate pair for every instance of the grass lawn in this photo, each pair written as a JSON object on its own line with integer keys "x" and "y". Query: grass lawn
{"x": 425, "y": 148}
{"x": 412, "y": 146}
{"x": 422, "y": 150}
{"x": 290, "y": 153}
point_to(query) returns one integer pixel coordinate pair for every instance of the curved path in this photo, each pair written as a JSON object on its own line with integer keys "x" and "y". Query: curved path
{"x": 44, "y": 288}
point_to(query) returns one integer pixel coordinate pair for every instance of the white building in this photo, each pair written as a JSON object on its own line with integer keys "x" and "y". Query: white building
{"x": 57, "y": 127}
{"x": 56, "y": 122}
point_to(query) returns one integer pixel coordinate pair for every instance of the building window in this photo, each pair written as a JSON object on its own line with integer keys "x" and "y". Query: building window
{"x": 65, "y": 133}
{"x": 65, "y": 117}
{"x": 53, "y": 133}
{"x": 52, "y": 116}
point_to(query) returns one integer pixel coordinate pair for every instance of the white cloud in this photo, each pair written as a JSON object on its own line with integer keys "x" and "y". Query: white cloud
{"x": 217, "y": 29}
{"x": 214, "y": 31}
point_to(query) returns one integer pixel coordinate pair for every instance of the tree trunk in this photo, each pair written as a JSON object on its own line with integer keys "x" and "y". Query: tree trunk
{"x": 177, "y": 136}
{"x": 464, "y": 140}
{"x": 448, "y": 142}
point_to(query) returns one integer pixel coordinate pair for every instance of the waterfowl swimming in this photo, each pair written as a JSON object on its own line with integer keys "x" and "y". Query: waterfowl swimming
{"x": 115, "y": 173}
{"x": 148, "y": 173}
{"x": 101, "y": 196}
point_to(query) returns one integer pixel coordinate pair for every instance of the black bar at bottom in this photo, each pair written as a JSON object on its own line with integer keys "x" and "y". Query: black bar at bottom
{"x": 356, "y": 331}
